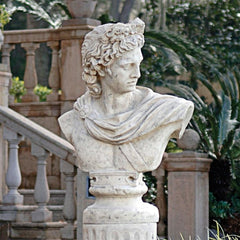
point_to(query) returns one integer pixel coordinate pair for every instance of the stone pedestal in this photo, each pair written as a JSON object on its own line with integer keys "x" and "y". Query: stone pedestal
{"x": 187, "y": 195}
{"x": 119, "y": 212}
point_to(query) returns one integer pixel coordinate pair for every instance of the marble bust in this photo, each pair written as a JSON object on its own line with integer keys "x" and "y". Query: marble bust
{"x": 116, "y": 125}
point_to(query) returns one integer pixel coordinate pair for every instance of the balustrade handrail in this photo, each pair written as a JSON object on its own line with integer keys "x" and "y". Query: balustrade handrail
{"x": 37, "y": 134}
{"x": 45, "y": 34}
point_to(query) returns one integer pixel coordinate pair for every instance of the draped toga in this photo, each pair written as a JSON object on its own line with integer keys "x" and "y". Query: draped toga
{"x": 153, "y": 111}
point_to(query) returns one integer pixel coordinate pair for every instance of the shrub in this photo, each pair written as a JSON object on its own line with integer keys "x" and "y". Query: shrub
{"x": 213, "y": 25}
{"x": 17, "y": 89}
{"x": 42, "y": 92}
{"x": 4, "y": 16}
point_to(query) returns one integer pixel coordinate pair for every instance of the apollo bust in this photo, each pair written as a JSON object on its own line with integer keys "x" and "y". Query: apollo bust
{"x": 117, "y": 125}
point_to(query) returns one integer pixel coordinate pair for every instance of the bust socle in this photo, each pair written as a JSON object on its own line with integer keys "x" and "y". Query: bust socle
{"x": 117, "y": 125}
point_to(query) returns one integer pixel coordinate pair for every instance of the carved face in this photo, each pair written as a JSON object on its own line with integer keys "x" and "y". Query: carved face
{"x": 122, "y": 75}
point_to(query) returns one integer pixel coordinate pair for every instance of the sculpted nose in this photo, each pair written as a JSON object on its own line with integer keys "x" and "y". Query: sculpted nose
{"x": 136, "y": 72}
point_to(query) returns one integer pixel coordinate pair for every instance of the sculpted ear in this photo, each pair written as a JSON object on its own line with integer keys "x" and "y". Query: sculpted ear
{"x": 100, "y": 70}
{"x": 103, "y": 70}
{"x": 108, "y": 70}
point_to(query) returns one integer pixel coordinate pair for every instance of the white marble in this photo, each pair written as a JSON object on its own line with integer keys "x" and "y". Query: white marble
{"x": 120, "y": 130}
{"x": 116, "y": 125}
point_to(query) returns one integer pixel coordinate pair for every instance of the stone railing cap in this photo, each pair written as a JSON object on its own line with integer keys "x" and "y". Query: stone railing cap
{"x": 37, "y": 134}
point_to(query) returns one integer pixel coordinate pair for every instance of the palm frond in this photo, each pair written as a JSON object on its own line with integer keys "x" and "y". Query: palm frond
{"x": 187, "y": 93}
{"x": 42, "y": 11}
{"x": 199, "y": 125}
{"x": 61, "y": 4}
{"x": 209, "y": 86}
{"x": 226, "y": 124}
{"x": 181, "y": 45}
{"x": 37, "y": 10}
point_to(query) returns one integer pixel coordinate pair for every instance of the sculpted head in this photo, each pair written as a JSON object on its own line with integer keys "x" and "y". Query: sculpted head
{"x": 105, "y": 44}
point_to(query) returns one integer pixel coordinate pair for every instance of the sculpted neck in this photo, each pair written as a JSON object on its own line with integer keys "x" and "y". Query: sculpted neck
{"x": 113, "y": 103}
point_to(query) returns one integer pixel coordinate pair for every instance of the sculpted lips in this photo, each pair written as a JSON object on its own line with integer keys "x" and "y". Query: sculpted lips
{"x": 133, "y": 81}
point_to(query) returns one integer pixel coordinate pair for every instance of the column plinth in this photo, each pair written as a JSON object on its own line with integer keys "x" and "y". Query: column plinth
{"x": 119, "y": 211}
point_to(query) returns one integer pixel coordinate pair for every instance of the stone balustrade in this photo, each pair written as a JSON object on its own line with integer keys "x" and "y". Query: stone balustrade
{"x": 43, "y": 142}
{"x": 65, "y": 44}
{"x": 30, "y": 75}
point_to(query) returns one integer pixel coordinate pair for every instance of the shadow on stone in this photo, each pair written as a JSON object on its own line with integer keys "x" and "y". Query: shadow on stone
{"x": 3, "y": 231}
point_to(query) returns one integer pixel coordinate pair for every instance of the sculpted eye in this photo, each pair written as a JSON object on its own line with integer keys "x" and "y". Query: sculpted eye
{"x": 126, "y": 66}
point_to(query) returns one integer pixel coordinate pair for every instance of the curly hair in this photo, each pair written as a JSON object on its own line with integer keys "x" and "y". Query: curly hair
{"x": 103, "y": 45}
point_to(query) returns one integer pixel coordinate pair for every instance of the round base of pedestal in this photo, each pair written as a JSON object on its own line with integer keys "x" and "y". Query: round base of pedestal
{"x": 141, "y": 231}
{"x": 119, "y": 212}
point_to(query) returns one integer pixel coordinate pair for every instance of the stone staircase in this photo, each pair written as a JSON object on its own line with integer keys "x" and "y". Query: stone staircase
{"x": 23, "y": 228}
{"x": 41, "y": 216}
{"x": 55, "y": 203}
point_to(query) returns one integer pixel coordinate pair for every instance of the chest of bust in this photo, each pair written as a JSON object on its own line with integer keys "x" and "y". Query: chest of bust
{"x": 141, "y": 154}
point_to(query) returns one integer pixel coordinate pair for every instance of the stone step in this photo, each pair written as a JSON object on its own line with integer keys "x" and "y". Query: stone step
{"x": 23, "y": 213}
{"x": 56, "y": 197}
{"x": 33, "y": 231}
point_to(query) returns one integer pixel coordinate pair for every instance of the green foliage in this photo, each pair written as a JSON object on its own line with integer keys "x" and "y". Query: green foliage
{"x": 42, "y": 92}
{"x": 17, "y": 89}
{"x": 217, "y": 123}
{"x": 151, "y": 183}
{"x": 172, "y": 147}
{"x": 53, "y": 12}
{"x": 4, "y": 16}
{"x": 218, "y": 209}
{"x": 235, "y": 203}
{"x": 168, "y": 55}
{"x": 216, "y": 233}
{"x": 219, "y": 234}
{"x": 213, "y": 25}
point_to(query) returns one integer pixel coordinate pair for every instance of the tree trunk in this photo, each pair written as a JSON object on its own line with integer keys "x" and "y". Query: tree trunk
{"x": 114, "y": 9}
{"x": 161, "y": 21}
{"x": 126, "y": 10}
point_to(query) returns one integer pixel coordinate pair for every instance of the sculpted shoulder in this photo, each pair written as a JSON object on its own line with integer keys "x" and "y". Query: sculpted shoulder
{"x": 67, "y": 122}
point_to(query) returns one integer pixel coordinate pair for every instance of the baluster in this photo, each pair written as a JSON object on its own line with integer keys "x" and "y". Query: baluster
{"x": 41, "y": 191}
{"x": 6, "y": 50}
{"x": 30, "y": 75}
{"x": 13, "y": 176}
{"x": 54, "y": 76}
{"x": 69, "y": 209}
